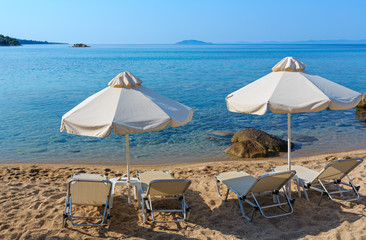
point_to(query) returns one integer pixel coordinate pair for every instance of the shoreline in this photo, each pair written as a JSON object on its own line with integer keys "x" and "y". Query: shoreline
{"x": 224, "y": 158}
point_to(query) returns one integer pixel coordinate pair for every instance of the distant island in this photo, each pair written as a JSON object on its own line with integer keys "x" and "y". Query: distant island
{"x": 193, "y": 42}
{"x": 8, "y": 41}
{"x": 80, "y": 45}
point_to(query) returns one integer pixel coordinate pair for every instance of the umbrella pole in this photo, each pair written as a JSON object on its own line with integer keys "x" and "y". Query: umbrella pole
{"x": 128, "y": 168}
{"x": 289, "y": 149}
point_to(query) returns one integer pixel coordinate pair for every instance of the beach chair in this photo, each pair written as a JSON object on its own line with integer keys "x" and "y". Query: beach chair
{"x": 162, "y": 185}
{"x": 88, "y": 189}
{"x": 328, "y": 181}
{"x": 246, "y": 186}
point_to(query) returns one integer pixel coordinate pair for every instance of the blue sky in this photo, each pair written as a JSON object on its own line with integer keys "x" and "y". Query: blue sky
{"x": 170, "y": 21}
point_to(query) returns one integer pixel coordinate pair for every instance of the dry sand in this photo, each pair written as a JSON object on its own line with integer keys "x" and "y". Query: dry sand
{"x": 33, "y": 196}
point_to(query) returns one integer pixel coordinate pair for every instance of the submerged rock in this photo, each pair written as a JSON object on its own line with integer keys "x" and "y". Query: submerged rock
{"x": 304, "y": 138}
{"x": 223, "y": 134}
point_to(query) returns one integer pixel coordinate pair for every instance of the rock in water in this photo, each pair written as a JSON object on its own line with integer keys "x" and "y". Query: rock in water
{"x": 247, "y": 149}
{"x": 362, "y": 103}
{"x": 80, "y": 45}
{"x": 270, "y": 142}
{"x": 251, "y": 143}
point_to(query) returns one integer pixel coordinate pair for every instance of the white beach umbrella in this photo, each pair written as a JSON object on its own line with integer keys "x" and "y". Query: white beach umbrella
{"x": 289, "y": 89}
{"x": 125, "y": 107}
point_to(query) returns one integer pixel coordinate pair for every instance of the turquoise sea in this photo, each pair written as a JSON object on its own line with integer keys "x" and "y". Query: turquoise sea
{"x": 40, "y": 83}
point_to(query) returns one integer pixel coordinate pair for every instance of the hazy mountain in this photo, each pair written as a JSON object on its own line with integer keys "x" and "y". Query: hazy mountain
{"x": 193, "y": 42}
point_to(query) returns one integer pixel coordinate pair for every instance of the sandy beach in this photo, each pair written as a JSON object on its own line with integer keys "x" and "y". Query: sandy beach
{"x": 33, "y": 197}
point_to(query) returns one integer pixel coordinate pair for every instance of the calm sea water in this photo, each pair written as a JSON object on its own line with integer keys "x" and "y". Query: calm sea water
{"x": 41, "y": 83}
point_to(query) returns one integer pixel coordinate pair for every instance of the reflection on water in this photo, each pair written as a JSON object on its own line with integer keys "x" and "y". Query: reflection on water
{"x": 361, "y": 113}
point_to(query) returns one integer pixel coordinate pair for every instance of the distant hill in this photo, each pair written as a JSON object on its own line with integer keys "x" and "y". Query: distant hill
{"x": 24, "y": 41}
{"x": 193, "y": 42}
{"x": 8, "y": 41}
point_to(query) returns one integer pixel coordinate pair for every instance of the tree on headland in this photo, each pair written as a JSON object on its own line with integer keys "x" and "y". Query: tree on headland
{"x": 8, "y": 41}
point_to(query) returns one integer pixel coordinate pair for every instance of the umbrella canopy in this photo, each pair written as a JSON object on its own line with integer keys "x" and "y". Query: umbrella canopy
{"x": 125, "y": 107}
{"x": 289, "y": 89}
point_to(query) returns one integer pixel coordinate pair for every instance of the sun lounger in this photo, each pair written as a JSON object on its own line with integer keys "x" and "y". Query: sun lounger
{"x": 246, "y": 186}
{"x": 88, "y": 189}
{"x": 332, "y": 174}
{"x": 162, "y": 185}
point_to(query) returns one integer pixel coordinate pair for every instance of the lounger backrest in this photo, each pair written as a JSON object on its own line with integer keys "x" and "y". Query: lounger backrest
{"x": 148, "y": 176}
{"x": 338, "y": 169}
{"x": 89, "y": 189}
{"x": 272, "y": 181}
{"x": 165, "y": 187}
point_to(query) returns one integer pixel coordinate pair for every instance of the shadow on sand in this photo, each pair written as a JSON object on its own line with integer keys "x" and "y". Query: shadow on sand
{"x": 211, "y": 217}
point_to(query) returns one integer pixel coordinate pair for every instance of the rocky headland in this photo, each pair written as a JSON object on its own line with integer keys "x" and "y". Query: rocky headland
{"x": 8, "y": 41}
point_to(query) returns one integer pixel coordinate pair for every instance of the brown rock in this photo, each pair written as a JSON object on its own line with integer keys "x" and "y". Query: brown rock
{"x": 270, "y": 142}
{"x": 362, "y": 103}
{"x": 247, "y": 149}
{"x": 80, "y": 45}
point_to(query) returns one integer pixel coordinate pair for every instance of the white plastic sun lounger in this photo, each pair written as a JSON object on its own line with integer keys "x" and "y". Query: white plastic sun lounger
{"x": 88, "y": 189}
{"x": 244, "y": 185}
{"x": 162, "y": 185}
{"x": 332, "y": 174}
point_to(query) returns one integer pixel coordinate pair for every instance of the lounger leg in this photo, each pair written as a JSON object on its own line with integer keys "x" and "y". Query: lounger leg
{"x": 304, "y": 189}
{"x": 298, "y": 187}
{"x": 185, "y": 208}
{"x": 278, "y": 199}
{"x": 340, "y": 190}
{"x": 144, "y": 215}
{"x": 66, "y": 212}
{"x": 227, "y": 194}
{"x": 135, "y": 192}
{"x": 321, "y": 197}
{"x": 218, "y": 190}
{"x": 240, "y": 199}
{"x": 355, "y": 189}
{"x": 151, "y": 209}
{"x": 109, "y": 217}
{"x": 139, "y": 198}
{"x": 112, "y": 193}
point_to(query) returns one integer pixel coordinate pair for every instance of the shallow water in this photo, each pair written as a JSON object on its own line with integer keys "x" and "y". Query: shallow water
{"x": 41, "y": 83}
